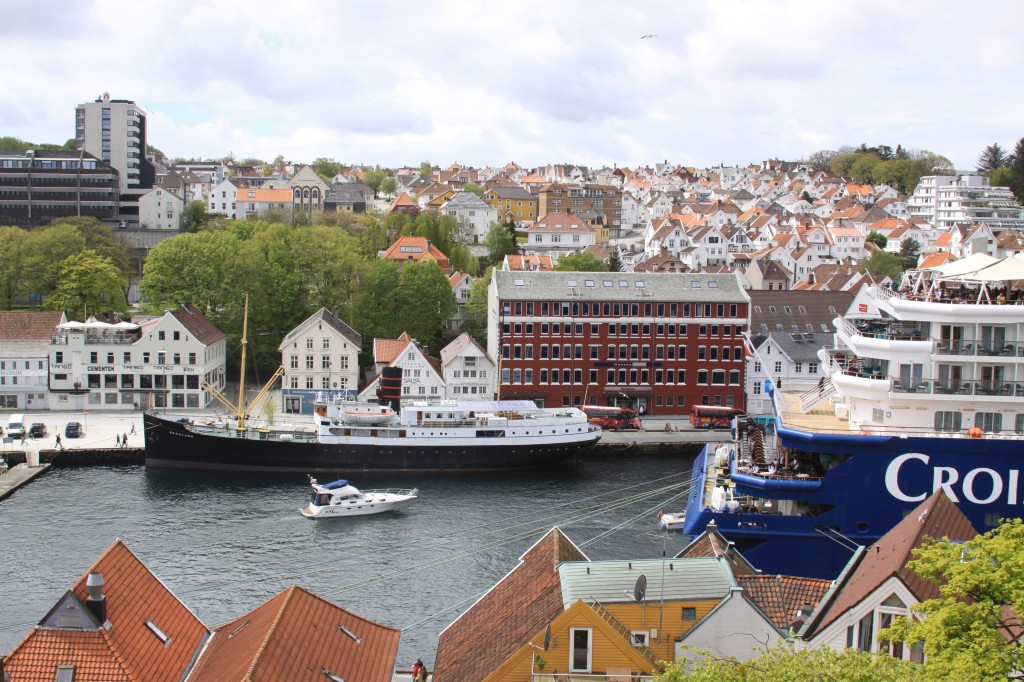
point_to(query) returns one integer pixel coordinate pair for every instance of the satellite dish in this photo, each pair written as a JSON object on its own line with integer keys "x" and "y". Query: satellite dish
{"x": 547, "y": 637}
{"x": 640, "y": 589}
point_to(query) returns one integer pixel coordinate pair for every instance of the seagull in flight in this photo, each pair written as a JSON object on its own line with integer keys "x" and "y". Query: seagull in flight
{"x": 649, "y": 35}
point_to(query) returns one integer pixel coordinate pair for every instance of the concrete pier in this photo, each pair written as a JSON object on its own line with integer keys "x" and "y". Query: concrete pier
{"x": 17, "y": 476}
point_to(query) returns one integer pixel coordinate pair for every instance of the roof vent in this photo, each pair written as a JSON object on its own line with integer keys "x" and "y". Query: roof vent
{"x": 97, "y": 601}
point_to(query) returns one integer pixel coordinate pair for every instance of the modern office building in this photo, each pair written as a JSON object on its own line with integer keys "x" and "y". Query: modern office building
{"x": 655, "y": 342}
{"x": 114, "y": 131}
{"x": 38, "y": 186}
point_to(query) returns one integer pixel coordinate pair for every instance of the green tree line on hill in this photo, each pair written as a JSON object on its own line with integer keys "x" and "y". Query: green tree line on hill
{"x": 899, "y": 168}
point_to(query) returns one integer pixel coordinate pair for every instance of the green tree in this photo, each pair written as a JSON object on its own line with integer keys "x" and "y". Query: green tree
{"x": 971, "y": 630}
{"x": 909, "y": 252}
{"x": 425, "y": 302}
{"x": 374, "y": 179}
{"x": 14, "y": 266}
{"x": 426, "y": 169}
{"x": 897, "y": 173}
{"x": 98, "y": 237}
{"x": 389, "y": 186}
{"x": 45, "y": 252}
{"x": 474, "y": 322}
{"x": 581, "y": 262}
{"x": 842, "y": 164}
{"x": 326, "y": 168}
{"x": 88, "y": 284}
{"x": 877, "y": 238}
{"x": 194, "y": 215}
{"x": 883, "y": 264}
{"x": 1016, "y": 183}
{"x": 992, "y": 157}
{"x": 499, "y": 242}
{"x": 1001, "y": 177}
{"x": 474, "y": 188}
{"x": 861, "y": 169}
{"x": 614, "y": 262}
{"x": 783, "y": 663}
{"x": 375, "y": 308}
{"x": 192, "y": 268}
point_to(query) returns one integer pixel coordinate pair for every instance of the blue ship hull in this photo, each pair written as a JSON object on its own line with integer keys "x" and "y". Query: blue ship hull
{"x": 863, "y": 497}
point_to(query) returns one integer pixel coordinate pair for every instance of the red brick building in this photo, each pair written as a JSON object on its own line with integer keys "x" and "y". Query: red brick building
{"x": 657, "y": 342}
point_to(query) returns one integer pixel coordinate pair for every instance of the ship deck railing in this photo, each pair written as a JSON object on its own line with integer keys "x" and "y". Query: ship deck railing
{"x": 255, "y": 433}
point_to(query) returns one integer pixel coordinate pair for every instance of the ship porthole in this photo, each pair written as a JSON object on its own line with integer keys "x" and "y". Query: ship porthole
{"x": 862, "y": 527}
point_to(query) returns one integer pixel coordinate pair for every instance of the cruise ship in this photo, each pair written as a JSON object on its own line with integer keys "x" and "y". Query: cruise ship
{"x": 924, "y": 390}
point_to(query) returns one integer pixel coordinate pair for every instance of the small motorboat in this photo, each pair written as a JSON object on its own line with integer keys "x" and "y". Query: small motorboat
{"x": 339, "y": 498}
{"x": 672, "y": 521}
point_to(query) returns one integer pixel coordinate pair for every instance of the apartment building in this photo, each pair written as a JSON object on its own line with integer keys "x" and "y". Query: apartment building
{"x": 656, "y": 342}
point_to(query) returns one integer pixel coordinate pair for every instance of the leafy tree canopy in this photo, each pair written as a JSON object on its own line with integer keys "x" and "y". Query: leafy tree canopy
{"x": 968, "y": 631}
{"x": 194, "y": 215}
{"x": 614, "y": 262}
{"x": 474, "y": 322}
{"x": 877, "y": 238}
{"x": 374, "y": 179}
{"x": 87, "y": 284}
{"x": 581, "y": 262}
{"x": 326, "y": 168}
{"x": 883, "y": 264}
{"x": 909, "y": 251}
{"x": 499, "y": 242}
{"x": 786, "y": 664}
{"x": 474, "y": 188}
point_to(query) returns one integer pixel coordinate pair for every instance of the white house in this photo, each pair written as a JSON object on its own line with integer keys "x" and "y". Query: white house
{"x": 223, "y": 196}
{"x": 25, "y": 358}
{"x": 469, "y": 373}
{"x": 321, "y": 355}
{"x": 160, "y": 209}
{"x": 559, "y": 234}
{"x": 152, "y": 362}
{"x": 473, "y": 214}
{"x": 421, "y": 373}
{"x": 792, "y": 362}
{"x": 462, "y": 286}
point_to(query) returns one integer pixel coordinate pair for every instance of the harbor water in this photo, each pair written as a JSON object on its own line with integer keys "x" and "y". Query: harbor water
{"x": 225, "y": 544}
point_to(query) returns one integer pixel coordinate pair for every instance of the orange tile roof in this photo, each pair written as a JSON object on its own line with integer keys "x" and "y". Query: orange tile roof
{"x": 505, "y": 618}
{"x": 129, "y": 649}
{"x": 780, "y": 597}
{"x": 417, "y": 249}
{"x": 934, "y": 259}
{"x": 282, "y": 196}
{"x": 295, "y": 636}
{"x": 386, "y": 350}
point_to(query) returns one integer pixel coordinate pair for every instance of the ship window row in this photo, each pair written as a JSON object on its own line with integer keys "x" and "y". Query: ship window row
{"x": 986, "y": 422}
{"x": 608, "y": 309}
{"x": 619, "y": 329}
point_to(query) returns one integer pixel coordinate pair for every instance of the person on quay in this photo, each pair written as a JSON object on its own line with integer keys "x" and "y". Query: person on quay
{"x": 58, "y": 444}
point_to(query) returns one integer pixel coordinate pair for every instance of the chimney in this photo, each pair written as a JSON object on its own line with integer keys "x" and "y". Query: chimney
{"x": 97, "y": 601}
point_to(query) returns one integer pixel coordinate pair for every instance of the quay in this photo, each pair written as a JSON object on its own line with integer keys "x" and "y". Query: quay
{"x": 18, "y": 475}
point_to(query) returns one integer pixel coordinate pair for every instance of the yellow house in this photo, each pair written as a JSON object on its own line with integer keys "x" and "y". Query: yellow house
{"x": 435, "y": 204}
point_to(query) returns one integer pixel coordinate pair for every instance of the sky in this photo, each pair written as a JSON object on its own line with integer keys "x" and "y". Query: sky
{"x": 484, "y": 83}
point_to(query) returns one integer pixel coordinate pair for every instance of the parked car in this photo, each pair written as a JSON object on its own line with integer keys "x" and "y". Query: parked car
{"x": 73, "y": 430}
{"x": 37, "y": 430}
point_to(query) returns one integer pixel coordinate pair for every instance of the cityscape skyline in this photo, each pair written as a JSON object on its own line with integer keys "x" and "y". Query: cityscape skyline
{"x": 696, "y": 84}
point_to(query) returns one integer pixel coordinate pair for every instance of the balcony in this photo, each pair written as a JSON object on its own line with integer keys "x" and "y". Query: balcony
{"x": 974, "y": 348}
{"x": 957, "y": 387}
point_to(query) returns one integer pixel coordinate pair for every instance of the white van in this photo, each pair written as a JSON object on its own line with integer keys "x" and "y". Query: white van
{"x": 16, "y": 425}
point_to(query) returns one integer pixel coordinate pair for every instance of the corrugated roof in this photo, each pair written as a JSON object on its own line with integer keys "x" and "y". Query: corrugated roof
{"x": 670, "y": 579}
{"x": 619, "y": 286}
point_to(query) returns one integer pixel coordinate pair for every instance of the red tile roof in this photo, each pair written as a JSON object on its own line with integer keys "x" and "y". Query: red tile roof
{"x": 29, "y": 326}
{"x": 295, "y": 636}
{"x": 780, "y": 597}
{"x": 197, "y": 324}
{"x": 129, "y": 649}
{"x": 505, "y": 618}
{"x": 936, "y": 517}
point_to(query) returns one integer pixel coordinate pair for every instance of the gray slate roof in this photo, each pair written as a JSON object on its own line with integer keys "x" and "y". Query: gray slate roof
{"x": 800, "y": 347}
{"x": 467, "y": 201}
{"x": 619, "y": 286}
{"x": 329, "y": 319}
{"x": 613, "y": 581}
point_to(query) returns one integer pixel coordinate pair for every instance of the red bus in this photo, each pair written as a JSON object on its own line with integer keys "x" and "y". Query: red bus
{"x": 712, "y": 417}
{"x": 615, "y": 418}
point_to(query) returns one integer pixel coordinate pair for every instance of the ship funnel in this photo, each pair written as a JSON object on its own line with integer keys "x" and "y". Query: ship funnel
{"x": 391, "y": 387}
{"x": 97, "y": 601}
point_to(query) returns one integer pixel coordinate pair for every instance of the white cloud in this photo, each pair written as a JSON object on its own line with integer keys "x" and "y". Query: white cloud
{"x": 534, "y": 82}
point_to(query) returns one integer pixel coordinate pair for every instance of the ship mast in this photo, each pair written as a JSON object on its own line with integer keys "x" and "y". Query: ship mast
{"x": 240, "y": 413}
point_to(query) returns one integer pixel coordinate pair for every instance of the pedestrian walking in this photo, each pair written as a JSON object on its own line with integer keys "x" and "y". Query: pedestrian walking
{"x": 133, "y": 428}
{"x": 117, "y": 440}
{"x": 57, "y": 444}
{"x": 124, "y": 441}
